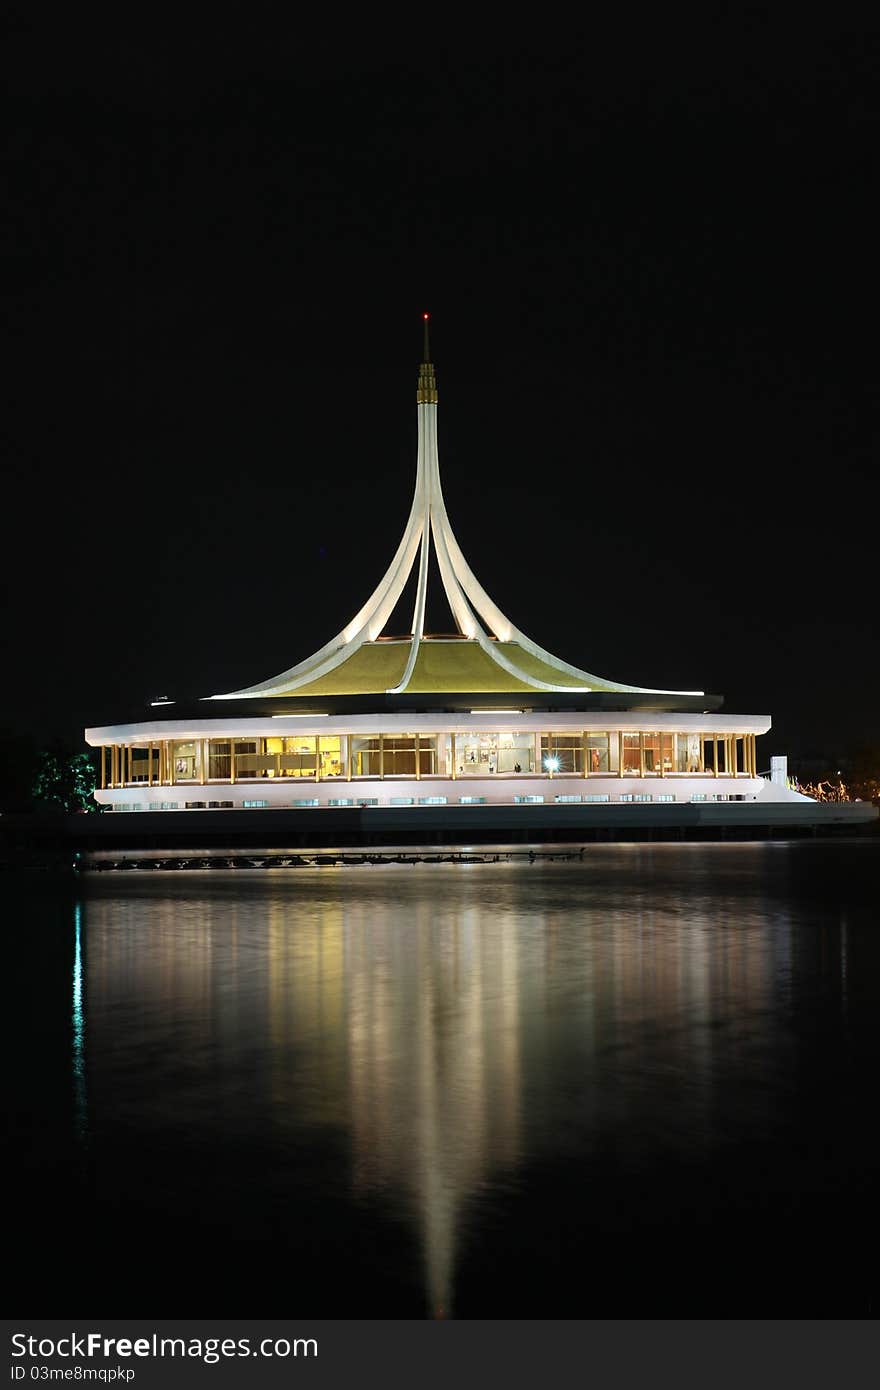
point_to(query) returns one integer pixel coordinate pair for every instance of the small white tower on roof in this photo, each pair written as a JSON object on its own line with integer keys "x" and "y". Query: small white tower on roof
{"x": 518, "y": 663}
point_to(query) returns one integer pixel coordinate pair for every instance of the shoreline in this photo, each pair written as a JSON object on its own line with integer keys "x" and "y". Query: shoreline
{"x": 37, "y": 839}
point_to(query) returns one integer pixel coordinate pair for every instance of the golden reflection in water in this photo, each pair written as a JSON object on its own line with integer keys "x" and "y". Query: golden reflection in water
{"x": 412, "y": 1031}
{"x": 306, "y": 1006}
{"x": 433, "y": 1070}
{"x": 452, "y": 1028}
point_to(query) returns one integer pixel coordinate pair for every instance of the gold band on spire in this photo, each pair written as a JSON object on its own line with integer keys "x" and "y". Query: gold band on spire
{"x": 427, "y": 392}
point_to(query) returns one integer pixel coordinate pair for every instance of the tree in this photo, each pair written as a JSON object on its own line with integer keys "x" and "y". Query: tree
{"x": 65, "y": 779}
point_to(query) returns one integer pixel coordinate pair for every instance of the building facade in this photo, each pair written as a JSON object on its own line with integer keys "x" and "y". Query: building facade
{"x": 482, "y": 716}
{"x": 405, "y": 758}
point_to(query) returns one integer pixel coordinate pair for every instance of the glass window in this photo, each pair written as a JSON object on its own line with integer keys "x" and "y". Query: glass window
{"x": 331, "y": 756}
{"x": 632, "y": 757}
{"x": 566, "y": 748}
{"x": 599, "y": 752}
{"x": 139, "y": 768}
{"x": 444, "y": 753}
{"x": 248, "y": 762}
{"x": 687, "y": 753}
{"x": 526, "y": 800}
{"x": 400, "y": 755}
{"x": 562, "y": 799}
{"x": 184, "y": 761}
{"x": 614, "y": 751}
{"x": 253, "y": 805}
{"x": 659, "y": 753}
{"x": 310, "y": 801}
{"x": 365, "y": 756}
{"x": 664, "y": 796}
{"x": 219, "y": 764}
{"x": 282, "y": 756}
{"x": 297, "y": 757}
{"x": 428, "y": 765}
{"x": 400, "y": 801}
{"x": 667, "y": 752}
{"x": 485, "y": 754}
{"x": 652, "y": 754}
{"x": 601, "y": 796}
{"x": 515, "y": 753}
{"x": 472, "y": 800}
{"x": 477, "y": 754}
{"x": 432, "y": 800}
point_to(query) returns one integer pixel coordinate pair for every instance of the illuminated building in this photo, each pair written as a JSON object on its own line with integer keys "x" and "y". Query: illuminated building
{"x": 484, "y": 715}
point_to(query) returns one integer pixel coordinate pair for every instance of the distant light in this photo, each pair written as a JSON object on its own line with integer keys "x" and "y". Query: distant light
{"x": 551, "y": 764}
{"x": 163, "y": 701}
{"x": 300, "y": 716}
{"x": 426, "y": 316}
{"x": 496, "y": 711}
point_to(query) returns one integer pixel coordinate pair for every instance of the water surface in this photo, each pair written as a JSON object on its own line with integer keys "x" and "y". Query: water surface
{"x": 639, "y": 1084}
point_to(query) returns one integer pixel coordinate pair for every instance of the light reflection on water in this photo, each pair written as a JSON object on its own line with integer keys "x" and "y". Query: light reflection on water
{"x": 77, "y": 1019}
{"x": 448, "y": 1030}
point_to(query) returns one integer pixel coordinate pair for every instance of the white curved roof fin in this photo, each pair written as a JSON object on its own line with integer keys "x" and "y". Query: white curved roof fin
{"x": 429, "y": 523}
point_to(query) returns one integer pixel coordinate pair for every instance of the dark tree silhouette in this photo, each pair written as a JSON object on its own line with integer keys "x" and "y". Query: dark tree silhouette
{"x": 65, "y": 779}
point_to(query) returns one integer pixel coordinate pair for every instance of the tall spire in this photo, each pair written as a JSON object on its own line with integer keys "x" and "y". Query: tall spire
{"x": 427, "y": 392}
{"x": 479, "y": 620}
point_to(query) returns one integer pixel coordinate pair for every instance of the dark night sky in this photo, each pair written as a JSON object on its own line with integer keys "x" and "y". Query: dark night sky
{"x": 650, "y": 259}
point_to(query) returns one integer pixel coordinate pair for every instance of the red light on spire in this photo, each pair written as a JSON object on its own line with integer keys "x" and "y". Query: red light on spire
{"x": 426, "y": 316}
